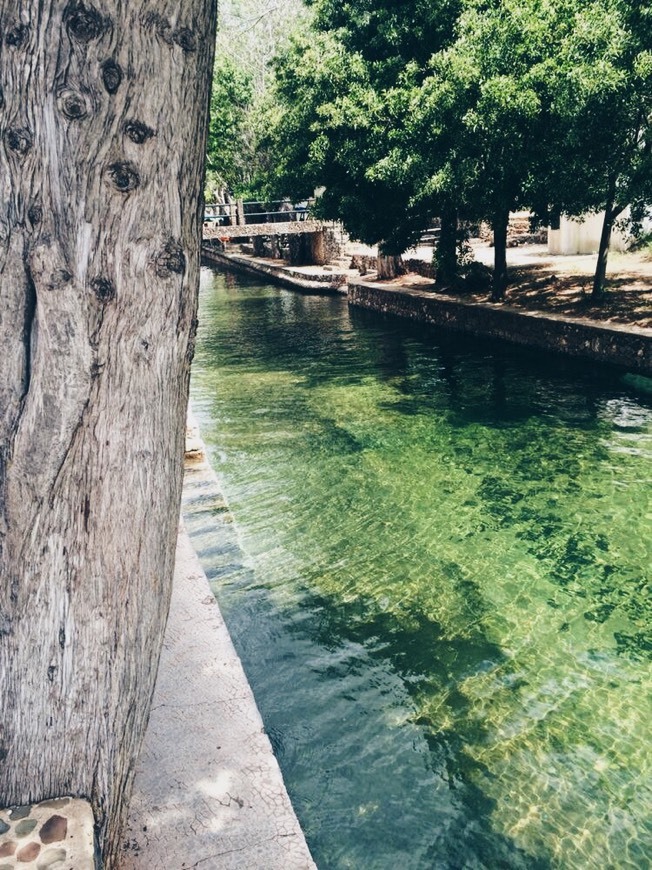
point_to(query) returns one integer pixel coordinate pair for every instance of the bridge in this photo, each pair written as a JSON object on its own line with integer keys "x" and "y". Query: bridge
{"x": 241, "y": 219}
{"x": 264, "y": 224}
{"x": 214, "y": 230}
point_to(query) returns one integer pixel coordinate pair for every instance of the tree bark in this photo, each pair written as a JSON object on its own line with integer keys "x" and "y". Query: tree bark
{"x": 447, "y": 248}
{"x": 101, "y": 168}
{"x": 499, "y": 286}
{"x": 388, "y": 265}
{"x": 610, "y": 215}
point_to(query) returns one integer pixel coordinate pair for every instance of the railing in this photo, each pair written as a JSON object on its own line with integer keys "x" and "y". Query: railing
{"x": 241, "y": 213}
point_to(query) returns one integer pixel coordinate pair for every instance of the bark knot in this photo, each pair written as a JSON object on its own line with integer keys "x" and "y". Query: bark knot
{"x": 123, "y": 176}
{"x": 19, "y": 139}
{"x": 17, "y": 36}
{"x": 59, "y": 279}
{"x": 73, "y": 105}
{"x": 103, "y": 289}
{"x": 137, "y": 131}
{"x": 171, "y": 260}
{"x": 83, "y": 22}
{"x": 185, "y": 39}
{"x": 35, "y": 214}
{"x": 111, "y": 75}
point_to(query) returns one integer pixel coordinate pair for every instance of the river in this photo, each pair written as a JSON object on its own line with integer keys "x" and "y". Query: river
{"x": 445, "y": 611}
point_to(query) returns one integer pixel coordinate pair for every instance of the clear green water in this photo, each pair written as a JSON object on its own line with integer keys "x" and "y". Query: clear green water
{"x": 446, "y": 613}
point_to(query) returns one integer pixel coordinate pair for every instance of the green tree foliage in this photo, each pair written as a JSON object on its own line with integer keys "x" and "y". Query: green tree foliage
{"x": 390, "y": 34}
{"x": 484, "y": 113}
{"x": 332, "y": 129}
{"x": 341, "y": 95}
{"x": 229, "y": 149}
{"x": 250, "y": 33}
{"x": 603, "y": 117}
{"x": 441, "y": 107}
{"x": 406, "y": 109}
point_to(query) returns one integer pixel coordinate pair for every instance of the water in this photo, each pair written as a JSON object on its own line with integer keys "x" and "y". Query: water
{"x": 445, "y": 608}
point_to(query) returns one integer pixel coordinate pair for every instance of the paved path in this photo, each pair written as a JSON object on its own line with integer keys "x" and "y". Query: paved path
{"x": 208, "y": 792}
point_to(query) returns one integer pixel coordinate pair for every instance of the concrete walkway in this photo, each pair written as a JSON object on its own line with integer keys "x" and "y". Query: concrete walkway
{"x": 208, "y": 790}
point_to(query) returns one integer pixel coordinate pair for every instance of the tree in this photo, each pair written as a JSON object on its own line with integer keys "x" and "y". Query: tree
{"x": 603, "y": 118}
{"x": 341, "y": 93}
{"x": 420, "y": 110}
{"x": 397, "y": 40}
{"x": 250, "y": 32}
{"x": 230, "y": 152}
{"x": 103, "y": 134}
{"x": 544, "y": 106}
{"x": 488, "y": 102}
{"x": 468, "y": 108}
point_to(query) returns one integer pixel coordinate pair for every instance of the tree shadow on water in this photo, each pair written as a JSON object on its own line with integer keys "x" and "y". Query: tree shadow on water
{"x": 433, "y": 663}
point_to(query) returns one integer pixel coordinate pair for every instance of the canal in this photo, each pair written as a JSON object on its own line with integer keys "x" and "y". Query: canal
{"x": 444, "y": 609}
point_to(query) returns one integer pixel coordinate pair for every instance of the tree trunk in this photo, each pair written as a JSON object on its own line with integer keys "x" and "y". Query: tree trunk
{"x": 104, "y": 122}
{"x": 446, "y": 256}
{"x": 597, "y": 293}
{"x": 499, "y": 285}
{"x": 318, "y": 252}
{"x": 610, "y": 215}
{"x": 388, "y": 265}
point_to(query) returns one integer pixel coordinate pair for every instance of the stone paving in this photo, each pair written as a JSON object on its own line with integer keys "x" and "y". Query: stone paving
{"x": 52, "y": 835}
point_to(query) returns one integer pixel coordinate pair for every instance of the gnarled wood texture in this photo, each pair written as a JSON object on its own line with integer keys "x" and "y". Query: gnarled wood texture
{"x": 102, "y": 132}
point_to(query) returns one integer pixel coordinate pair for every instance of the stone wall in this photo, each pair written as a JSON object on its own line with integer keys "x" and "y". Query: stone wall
{"x": 365, "y": 264}
{"x": 625, "y": 346}
{"x": 313, "y": 249}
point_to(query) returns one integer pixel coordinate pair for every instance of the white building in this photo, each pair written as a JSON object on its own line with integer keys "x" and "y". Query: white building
{"x": 582, "y": 236}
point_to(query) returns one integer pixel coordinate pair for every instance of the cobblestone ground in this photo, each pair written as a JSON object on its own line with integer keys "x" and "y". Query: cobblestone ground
{"x": 51, "y": 835}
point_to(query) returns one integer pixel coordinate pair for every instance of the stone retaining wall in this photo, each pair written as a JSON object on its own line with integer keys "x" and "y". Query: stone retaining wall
{"x": 365, "y": 263}
{"x": 626, "y": 346}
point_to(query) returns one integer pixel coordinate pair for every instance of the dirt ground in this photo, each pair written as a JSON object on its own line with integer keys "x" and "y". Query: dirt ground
{"x": 562, "y": 284}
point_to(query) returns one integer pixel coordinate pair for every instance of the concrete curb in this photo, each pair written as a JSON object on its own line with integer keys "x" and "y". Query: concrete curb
{"x": 208, "y": 790}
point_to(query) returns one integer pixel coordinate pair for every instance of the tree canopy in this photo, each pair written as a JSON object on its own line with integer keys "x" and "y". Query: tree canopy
{"x": 603, "y": 116}
{"x": 405, "y": 111}
{"x": 229, "y": 150}
{"x": 250, "y": 34}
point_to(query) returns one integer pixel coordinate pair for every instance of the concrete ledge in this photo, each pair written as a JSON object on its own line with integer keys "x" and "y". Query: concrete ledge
{"x": 208, "y": 790}
{"x": 284, "y": 275}
{"x": 627, "y": 346}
